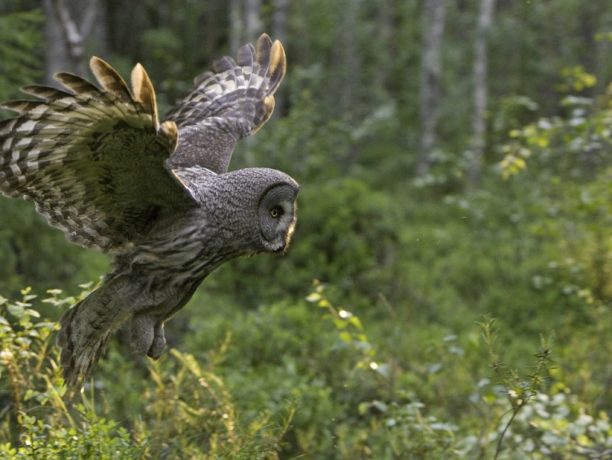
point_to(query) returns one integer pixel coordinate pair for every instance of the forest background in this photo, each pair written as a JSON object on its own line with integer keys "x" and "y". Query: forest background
{"x": 448, "y": 291}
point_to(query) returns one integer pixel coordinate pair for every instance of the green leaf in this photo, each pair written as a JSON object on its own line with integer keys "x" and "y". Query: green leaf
{"x": 346, "y": 337}
{"x": 16, "y": 309}
{"x": 314, "y": 297}
{"x": 355, "y": 321}
{"x": 32, "y": 312}
{"x": 324, "y": 303}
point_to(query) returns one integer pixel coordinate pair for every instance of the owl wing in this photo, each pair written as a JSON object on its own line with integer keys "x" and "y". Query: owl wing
{"x": 92, "y": 158}
{"x": 228, "y": 104}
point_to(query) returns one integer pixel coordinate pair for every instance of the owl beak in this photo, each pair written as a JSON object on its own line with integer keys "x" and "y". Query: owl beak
{"x": 283, "y": 249}
{"x": 288, "y": 237}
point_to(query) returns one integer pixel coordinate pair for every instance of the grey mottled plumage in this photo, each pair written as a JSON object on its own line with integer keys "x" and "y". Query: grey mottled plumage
{"x": 157, "y": 197}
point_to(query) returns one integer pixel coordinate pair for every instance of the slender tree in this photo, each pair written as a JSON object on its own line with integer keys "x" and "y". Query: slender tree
{"x": 348, "y": 58}
{"x": 236, "y": 14}
{"x": 385, "y": 38}
{"x": 434, "y": 17}
{"x": 349, "y": 62}
{"x": 280, "y": 18}
{"x": 253, "y": 25}
{"x": 68, "y": 26}
{"x": 479, "y": 119}
{"x": 245, "y": 22}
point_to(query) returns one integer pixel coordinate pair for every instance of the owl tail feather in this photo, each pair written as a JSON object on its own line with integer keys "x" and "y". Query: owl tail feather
{"x": 85, "y": 329}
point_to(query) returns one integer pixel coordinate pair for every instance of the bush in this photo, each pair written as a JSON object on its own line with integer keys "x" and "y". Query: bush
{"x": 289, "y": 380}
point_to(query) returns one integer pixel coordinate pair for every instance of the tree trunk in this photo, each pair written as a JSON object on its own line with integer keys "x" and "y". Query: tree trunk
{"x": 56, "y": 53}
{"x": 279, "y": 19}
{"x": 68, "y": 25}
{"x": 279, "y": 31}
{"x": 348, "y": 58}
{"x": 252, "y": 23}
{"x": 479, "y": 120}
{"x": 348, "y": 62}
{"x": 385, "y": 13}
{"x": 236, "y": 25}
{"x": 434, "y": 17}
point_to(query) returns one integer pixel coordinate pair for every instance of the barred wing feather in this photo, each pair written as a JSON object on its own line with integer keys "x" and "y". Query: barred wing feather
{"x": 228, "y": 104}
{"x": 92, "y": 158}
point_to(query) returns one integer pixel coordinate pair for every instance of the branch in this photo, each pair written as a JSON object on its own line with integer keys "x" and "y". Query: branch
{"x": 74, "y": 34}
{"x": 69, "y": 27}
{"x": 89, "y": 19}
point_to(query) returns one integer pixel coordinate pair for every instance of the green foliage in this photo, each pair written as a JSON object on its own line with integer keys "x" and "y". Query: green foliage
{"x": 316, "y": 385}
{"x": 557, "y": 426}
{"x": 20, "y": 61}
{"x": 576, "y": 143}
{"x": 520, "y": 389}
{"x": 186, "y": 411}
{"x": 40, "y": 424}
{"x": 93, "y": 438}
{"x": 576, "y": 79}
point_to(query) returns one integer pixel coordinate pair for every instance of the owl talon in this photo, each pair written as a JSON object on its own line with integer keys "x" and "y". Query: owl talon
{"x": 159, "y": 342}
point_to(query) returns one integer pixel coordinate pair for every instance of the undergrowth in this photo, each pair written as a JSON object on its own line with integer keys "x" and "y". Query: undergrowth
{"x": 346, "y": 397}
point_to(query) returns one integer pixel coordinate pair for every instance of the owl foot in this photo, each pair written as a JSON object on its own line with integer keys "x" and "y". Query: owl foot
{"x": 159, "y": 342}
{"x": 147, "y": 336}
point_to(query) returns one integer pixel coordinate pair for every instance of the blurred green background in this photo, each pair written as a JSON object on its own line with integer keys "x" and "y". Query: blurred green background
{"x": 456, "y": 203}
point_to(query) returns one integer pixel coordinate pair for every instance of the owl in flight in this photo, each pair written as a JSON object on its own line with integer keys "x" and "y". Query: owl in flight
{"x": 158, "y": 197}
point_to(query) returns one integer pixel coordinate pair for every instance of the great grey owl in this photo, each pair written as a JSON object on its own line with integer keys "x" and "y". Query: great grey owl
{"x": 157, "y": 197}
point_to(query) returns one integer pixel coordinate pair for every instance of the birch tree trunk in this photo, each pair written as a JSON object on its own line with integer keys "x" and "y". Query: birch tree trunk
{"x": 348, "y": 58}
{"x": 386, "y": 42}
{"x": 479, "y": 120}
{"x": 236, "y": 24}
{"x": 279, "y": 19}
{"x": 68, "y": 25}
{"x": 56, "y": 53}
{"x": 434, "y": 17}
{"x": 252, "y": 16}
{"x": 279, "y": 31}
{"x": 245, "y": 22}
{"x": 348, "y": 62}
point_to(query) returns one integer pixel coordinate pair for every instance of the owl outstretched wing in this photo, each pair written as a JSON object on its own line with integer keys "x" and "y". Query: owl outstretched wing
{"x": 228, "y": 104}
{"x": 92, "y": 158}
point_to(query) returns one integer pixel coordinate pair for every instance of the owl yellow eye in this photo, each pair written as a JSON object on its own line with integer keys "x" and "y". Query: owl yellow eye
{"x": 276, "y": 212}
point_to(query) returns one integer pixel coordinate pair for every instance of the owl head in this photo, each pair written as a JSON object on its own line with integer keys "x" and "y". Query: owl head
{"x": 252, "y": 210}
{"x": 277, "y": 215}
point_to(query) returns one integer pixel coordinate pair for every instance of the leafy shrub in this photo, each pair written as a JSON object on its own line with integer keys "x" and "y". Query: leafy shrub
{"x": 186, "y": 412}
{"x": 288, "y": 380}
